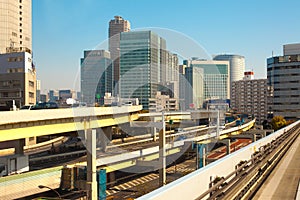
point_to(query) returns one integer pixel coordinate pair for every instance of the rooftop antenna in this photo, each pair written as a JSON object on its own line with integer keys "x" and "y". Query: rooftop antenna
{"x": 272, "y": 53}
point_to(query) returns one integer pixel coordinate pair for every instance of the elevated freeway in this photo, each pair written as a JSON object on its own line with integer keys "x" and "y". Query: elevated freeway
{"x": 112, "y": 161}
{"x": 215, "y": 180}
{"x": 32, "y": 123}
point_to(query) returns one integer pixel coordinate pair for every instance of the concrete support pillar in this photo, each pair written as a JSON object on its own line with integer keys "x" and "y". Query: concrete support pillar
{"x": 91, "y": 164}
{"x": 201, "y": 154}
{"x": 19, "y": 146}
{"x": 153, "y": 129}
{"x": 153, "y": 132}
{"x": 162, "y": 153}
{"x": 103, "y": 135}
{"x": 107, "y": 132}
{"x": 253, "y": 138}
{"x": 263, "y": 134}
{"x": 30, "y": 141}
{"x": 227, "y": 143}
{"x": 111, "y": 178}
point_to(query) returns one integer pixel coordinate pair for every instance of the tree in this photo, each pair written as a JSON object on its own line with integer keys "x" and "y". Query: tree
{"x": 278, "y": 122}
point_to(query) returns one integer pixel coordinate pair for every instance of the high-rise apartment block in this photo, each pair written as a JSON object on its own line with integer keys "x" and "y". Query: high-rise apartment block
{"x": 284, "y": 78}
{"x": 17, "y": 72}
{"x": 216, "y": 77}
{"x": 116, "y": 26}
{"x": 96, "y": 76}
{"x": 15, "y": 26}
{"x": 250, "y": 96}
{"x": 17, "y": 79}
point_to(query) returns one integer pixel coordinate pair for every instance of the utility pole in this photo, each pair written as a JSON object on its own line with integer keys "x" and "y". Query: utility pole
{"x": 91, "y": 160}
{"x": 162, "y": 152}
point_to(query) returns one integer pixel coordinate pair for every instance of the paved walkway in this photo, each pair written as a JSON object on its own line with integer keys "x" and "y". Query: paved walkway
{"x": 284, "y": 180}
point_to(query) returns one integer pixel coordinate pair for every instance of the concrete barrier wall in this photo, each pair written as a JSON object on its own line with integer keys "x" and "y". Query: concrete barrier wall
{"x": 20, "y": 185}
{"x": 196, "y": 183}
{"x": 10, "y": 117}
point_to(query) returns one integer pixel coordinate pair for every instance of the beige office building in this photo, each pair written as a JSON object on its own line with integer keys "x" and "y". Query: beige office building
{"x": 17, "y": 72}
{"x": 163, "y": 101}
{"x": 15, "y": 26}
{"x": 116, "y": 26}
{"x": 17, "y": 79}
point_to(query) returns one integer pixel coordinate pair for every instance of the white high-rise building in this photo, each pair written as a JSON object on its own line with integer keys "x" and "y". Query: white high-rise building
{"x": 15, "y": 26}
{"x": 284, "y": 79}
{"x": 237, "y": 65}
{"x": 216, "y": 77}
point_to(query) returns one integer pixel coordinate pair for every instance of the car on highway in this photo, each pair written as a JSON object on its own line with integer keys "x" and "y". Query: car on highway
{"x": 180, "y": 138}
{"x": 26, "y": 107}
{"x": 178, "y": 130}
{"x": 45, "y": 105}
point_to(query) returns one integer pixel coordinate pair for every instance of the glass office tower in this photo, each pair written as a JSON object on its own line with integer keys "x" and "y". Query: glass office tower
{"x": 140, "y": 65}
{"x": 96, "y": 76}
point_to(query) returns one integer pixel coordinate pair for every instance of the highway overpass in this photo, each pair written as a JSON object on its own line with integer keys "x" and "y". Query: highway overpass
{"x": 26, "y": 184}
{"x": 15, "y": 125}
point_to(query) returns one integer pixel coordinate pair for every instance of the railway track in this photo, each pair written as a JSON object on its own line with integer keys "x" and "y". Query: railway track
{"x": 118, "y": 146}
{"x": 115, "y": 147}
{"x": 244, "y": 182}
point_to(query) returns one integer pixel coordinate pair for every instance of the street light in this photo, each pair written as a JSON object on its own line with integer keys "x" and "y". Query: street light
{"x": 162, "y": 149}
{"x": 43, "y": 186}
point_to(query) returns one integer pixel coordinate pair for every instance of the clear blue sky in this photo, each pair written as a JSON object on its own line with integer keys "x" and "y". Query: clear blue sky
{"x": 63, "y": 29}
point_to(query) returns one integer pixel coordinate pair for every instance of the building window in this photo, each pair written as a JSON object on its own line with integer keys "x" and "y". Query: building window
{"x": 20, "y": 18}
{"x": 4, "y": 94}
{"x": 4, "y": 83}
{"x": 16, "y": 83}
{"x": 31, "y": 83}
{"x": 31, "y": 94}
{"x": 20, "y": 13}
{"x": 20, "y": 7}
{"x": 20, "y": 24}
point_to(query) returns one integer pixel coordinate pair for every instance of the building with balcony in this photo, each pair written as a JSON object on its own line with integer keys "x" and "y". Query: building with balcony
{"x": 284, "y": 78}
{"x": 250, "y": 96}
{"x": 162, "y": 101}
{"x": 17, "y": 79}
{"x": 15, "y": 26}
